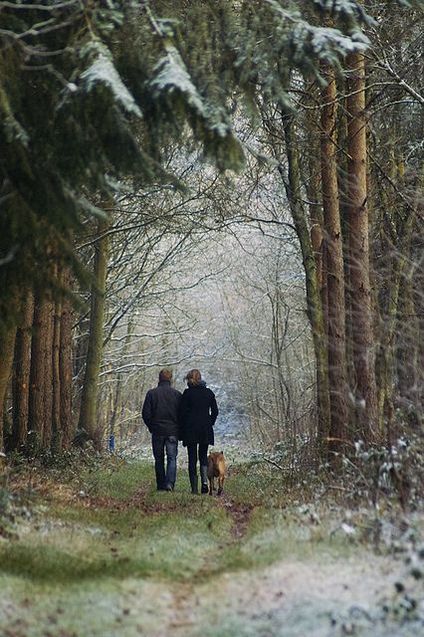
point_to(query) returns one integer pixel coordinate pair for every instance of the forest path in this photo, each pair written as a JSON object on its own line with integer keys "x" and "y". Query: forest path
{"x": 105, "y": 555}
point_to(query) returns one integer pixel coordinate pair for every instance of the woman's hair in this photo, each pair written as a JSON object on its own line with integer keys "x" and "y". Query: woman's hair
{"x": 193, "y": 377}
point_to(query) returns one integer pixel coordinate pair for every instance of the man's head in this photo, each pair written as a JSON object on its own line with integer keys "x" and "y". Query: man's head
{"x": 165, "y": 374}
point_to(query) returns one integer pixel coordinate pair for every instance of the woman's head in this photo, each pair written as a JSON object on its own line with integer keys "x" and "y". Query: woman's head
{"x": 193, "y": 377}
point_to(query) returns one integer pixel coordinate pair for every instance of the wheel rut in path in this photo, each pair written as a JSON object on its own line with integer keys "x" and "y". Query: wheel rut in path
{"x": 240, "y": 514}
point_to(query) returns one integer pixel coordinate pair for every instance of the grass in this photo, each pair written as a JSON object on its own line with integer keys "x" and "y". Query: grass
{"x": 118, "y": 480}
{"x": 120, "y": 537}
{"x": 101, "y": 544}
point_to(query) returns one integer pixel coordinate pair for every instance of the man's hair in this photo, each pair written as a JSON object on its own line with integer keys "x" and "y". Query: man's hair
{"x": 165, "y": 374}
{"x": 193, "y": 377}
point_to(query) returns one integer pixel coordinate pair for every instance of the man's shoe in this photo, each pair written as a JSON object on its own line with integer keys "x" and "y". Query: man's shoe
{"x": 169, "y": 487}
{"x": 205, "y": 488}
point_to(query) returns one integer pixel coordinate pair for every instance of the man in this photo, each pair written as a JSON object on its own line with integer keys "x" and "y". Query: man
{"x": 160, "y": 413}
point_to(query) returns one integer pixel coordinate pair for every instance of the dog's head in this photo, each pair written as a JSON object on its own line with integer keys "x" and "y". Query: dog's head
{"x": 216, "y": 455}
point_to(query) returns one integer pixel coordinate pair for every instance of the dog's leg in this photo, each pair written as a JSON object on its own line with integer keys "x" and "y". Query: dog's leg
{"x": 211, "y": 486}
{"x": 221, "y": 484}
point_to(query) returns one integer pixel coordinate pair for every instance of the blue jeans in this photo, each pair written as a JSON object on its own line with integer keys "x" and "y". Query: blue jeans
{"x": 159, "y": 445}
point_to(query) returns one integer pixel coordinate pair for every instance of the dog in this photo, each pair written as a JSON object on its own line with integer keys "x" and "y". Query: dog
{"x": 216, "y": 469}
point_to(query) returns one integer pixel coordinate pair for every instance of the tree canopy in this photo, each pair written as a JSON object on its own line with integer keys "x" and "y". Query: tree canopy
{"x": 89, "y": 93}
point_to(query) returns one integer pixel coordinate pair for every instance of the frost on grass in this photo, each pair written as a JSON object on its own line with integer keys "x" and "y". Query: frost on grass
{"x": 102, "y": 71}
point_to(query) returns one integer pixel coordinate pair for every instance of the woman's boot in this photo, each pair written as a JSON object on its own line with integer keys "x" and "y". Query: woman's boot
{"x": 204, "y": 478}
{"x": 194, "y": 483}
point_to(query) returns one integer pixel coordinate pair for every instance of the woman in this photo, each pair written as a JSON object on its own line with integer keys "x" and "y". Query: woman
{"x": 198, "y": 412}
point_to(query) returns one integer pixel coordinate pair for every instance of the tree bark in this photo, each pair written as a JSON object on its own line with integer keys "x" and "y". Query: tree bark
{"x": 21, "y": 375}
{"x": 88, "y": 411}
{"x": 40, "y": 396}
{"x": 316, "y": 216}
{"x": 399, "y": 254}
{"x": 407, "y": 346}
{"x": 359, "y": 265}
{"x": 336, "y": 329}
{"x": 56, "y": 355}
{"x": 7, "y": 345}
{"x": 65, "y": 369}
{"x": 313, "y": 188}
{"x": 48, "y": 375}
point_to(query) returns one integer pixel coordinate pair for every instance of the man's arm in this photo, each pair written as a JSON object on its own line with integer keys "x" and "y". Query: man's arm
{"x": 147, "y": 410}
{"x": 182, "y": 410}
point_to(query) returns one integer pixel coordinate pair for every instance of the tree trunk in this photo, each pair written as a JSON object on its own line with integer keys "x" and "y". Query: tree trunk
{"x": 390, "y": 311}
{"x": 48, "y": 375}
{"x": 316, "y": 218}
{"x": 56, "y": 354}
{"x": 116, "y": 396}
{"x": 419, "y": 309}
{"x": 65, "y": 369}
{"x": 40, "y": 396}
{"x": 313, "y": 292}
{"x": 336, "y": 335}
{"x": 21, "y": 372}
{"x": 88, "y": 412}
{"x": 342, "y": 177}
{"x": 359, "y": 266}
{"x": 7, "y": 345}
{"x": 407, "y": 350}
{"x": 313, "y": 189}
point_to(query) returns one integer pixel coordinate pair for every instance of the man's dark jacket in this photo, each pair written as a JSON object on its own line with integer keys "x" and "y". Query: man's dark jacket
{"x": 198, "y": 412}
{"x": 160, "y": 409}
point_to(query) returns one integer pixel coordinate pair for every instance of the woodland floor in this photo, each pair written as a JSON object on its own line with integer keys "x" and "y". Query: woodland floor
{"x": 98, "y": 552}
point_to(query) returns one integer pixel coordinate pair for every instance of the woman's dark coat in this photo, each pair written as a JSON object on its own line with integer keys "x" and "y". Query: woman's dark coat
{"x": 197, "y": 414}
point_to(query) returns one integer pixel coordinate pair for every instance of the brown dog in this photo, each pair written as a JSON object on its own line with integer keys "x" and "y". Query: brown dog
{"x": 216, "y": 469}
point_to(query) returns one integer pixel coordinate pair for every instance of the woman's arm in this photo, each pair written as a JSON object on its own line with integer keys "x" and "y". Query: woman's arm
{"x": 214, "y": 409}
